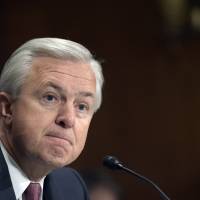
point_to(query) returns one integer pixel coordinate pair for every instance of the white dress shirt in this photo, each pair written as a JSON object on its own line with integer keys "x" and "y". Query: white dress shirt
{"x": 18, "y": 178}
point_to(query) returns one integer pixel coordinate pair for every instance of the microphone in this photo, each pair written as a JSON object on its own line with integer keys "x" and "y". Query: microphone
{"x": 114, "y": 164}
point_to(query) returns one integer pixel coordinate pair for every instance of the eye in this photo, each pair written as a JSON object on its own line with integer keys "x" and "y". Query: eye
{"x": 50, "y": 98}
{"x": 83, "y": 107}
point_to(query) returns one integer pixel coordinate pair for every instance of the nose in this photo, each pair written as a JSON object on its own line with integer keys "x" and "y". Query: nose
{"x": 66, "y": 116}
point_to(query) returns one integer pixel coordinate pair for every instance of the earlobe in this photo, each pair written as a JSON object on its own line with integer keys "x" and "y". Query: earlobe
{"x": 5, "y": 107}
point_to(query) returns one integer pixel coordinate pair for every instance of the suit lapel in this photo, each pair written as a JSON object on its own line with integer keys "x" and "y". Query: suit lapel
{"x": 6, "y": 189}
{"x": 51, "y": 191}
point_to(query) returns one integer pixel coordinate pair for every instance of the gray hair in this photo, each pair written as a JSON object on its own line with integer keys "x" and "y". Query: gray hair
{"x": 19, "y": 64}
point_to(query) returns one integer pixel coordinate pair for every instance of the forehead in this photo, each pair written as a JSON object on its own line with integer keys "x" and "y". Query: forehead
{"x": 50, "y": 66}
{"x": 75, "y": 75}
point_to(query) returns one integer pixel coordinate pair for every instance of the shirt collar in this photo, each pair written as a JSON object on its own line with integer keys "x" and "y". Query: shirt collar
{"x": 18, "y": 178}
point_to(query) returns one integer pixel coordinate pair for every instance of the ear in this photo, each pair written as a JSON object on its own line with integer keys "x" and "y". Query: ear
{"x": 5, "y": 107}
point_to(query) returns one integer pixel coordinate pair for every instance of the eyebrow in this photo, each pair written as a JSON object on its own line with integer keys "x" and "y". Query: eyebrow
{"x": 53, "y": 85}
{"x": 61, "y": 90}
{"x": 86, "y": 94}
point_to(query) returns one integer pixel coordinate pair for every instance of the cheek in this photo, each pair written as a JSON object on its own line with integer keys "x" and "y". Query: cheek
{"x": 78, "y": 148}
{"x": 81, "y": 135}
{"x": 31, "y": 119}
{"x": 82, "y": 141}
{"x": 26, "y": 127}
{"x": 27, "y": 130}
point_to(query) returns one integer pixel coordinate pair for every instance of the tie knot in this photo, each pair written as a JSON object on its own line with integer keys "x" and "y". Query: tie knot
{"x": 32, "y": 192}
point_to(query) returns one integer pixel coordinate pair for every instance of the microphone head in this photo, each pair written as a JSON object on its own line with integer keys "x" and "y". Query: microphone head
{"x": 112, "y": 163}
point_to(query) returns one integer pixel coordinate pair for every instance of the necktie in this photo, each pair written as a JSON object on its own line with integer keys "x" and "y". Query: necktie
{"x": 32, "y": 192}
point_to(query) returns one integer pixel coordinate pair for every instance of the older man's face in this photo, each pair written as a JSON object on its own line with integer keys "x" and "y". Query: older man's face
{"x": 51, "y": 116}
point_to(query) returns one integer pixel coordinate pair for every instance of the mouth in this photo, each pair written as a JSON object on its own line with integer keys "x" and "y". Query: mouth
{"x": 60, "y": 136}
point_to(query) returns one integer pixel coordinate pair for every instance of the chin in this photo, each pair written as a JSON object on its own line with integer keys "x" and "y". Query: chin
{"x": 55, "y": 163}
{"x": 58, "y": 157}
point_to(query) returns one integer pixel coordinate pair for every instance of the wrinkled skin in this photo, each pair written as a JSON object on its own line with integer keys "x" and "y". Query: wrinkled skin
{"x": 46, "y": 126}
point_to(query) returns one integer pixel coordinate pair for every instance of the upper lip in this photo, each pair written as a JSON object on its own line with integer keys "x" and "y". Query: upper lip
{"x": 61, "y": 136}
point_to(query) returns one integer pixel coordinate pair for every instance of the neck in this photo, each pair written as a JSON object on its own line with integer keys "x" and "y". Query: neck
{"x": 35, "y": 170}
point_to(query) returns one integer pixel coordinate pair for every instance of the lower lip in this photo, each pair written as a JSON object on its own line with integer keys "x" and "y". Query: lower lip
{"x": 58, "y": 140}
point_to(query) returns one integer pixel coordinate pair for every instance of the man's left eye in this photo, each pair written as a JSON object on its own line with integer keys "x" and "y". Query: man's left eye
{"x": 83, "y": 107}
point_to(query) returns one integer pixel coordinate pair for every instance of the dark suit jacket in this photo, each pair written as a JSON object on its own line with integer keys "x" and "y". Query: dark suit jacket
{"x": 61, "y": 184}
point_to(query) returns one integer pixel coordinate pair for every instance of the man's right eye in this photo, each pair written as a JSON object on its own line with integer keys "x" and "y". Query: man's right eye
{"x": 50, "y": 98}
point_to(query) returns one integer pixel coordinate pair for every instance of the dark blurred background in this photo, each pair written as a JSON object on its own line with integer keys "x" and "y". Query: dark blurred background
{"x": 151, "y": 106}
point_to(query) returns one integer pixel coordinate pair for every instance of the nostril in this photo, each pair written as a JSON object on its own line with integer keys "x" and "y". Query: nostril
{"x": 65, "y": 121}
{"x": 62, "y": 124}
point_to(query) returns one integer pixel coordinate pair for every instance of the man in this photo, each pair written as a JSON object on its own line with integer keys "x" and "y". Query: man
{"x": 49, "y": 91}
